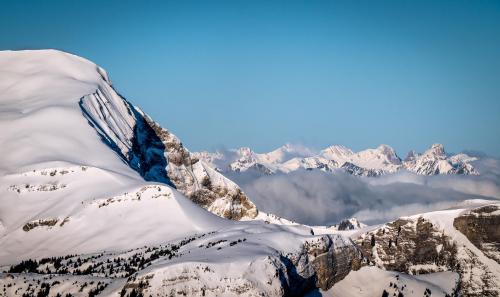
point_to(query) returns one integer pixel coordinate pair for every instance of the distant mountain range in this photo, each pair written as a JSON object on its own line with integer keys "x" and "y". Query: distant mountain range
{"x": 369, "y": 162}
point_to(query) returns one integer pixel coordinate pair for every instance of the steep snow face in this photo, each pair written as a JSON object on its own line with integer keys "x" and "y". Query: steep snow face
{"x": 368, "y": 163}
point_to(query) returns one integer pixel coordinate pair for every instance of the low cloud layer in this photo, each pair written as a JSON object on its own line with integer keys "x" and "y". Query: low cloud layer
{"x": 318, "y": 198}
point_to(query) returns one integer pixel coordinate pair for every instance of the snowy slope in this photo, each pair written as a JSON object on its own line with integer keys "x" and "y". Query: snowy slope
{"x": 87, "y": 192}
{"x": 373, "y": 282}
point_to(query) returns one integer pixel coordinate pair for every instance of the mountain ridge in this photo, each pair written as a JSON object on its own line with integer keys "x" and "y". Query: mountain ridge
{"x": 368, "y": 162}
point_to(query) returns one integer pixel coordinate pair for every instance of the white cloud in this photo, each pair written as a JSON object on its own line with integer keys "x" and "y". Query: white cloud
{"x": 318, "y": 198}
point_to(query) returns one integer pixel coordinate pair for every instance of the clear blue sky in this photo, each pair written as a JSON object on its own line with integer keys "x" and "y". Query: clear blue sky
{"x": 358, "y": 73}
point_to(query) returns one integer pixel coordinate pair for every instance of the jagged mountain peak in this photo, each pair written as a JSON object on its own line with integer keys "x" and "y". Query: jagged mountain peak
{"x": 382, "y": 151}
{"x": 349, "y": 224}
{"x": 411, "y": 156}
{"x": 386, "y": 149}
{"x": 435, "y": 161}
{"x": 244, "y": 151}
{"x": 436, "y": 149}
{"x": 338, "y": 150}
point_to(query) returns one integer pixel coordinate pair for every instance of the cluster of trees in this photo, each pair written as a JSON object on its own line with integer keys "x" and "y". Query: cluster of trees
{"x": 29, "y": 266}
{"x": 133, "y": 293}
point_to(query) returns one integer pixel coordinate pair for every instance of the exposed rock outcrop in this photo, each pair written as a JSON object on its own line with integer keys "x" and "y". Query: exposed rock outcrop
{"x": 406, "y": 245}
{"x": 188, "y": 174}
{"x": 482, "y": 227}
{"x": 360, "y": 171}
{"x": 416, "y": 246}
{"x": 349, "y": 224}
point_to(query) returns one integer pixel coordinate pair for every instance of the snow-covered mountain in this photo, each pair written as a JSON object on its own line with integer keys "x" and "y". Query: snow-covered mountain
{"x": 369, "y": 162}
{"x": 435, "y": 161}
{"x": 97, "y": 199}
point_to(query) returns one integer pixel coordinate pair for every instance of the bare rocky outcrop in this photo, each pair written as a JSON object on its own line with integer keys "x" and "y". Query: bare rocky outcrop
{"x": 323, "y": 262}
{"x": 160, "y": 156}
{"x": 187, "y": 174}
{"x": 409, "y": 245}
{"x": 482, "y": 227}
{"x": 349, "y": 224}
{"x": 39, "y": 223}
{"x": 360, "y": 171}
{"x": 416, "y": 246}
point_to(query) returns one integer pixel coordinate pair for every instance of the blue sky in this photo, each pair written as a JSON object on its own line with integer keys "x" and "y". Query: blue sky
{"x": 262, "y": 73}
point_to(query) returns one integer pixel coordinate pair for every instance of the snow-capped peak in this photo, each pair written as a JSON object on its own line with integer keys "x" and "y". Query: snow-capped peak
{"x": 411, "y": 156}
{"x": 245, "y": 152}
{"x": 334, "y": 152}
{"x": 435, "y": 161}
{"x": 285, "y": 153}
{"x": 437, "y": 150}
{"x": 389, "y": 152}
{"x": 349, "y": 224}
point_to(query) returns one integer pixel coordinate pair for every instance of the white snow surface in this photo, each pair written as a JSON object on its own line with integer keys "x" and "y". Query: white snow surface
{"x": 371, "y": 281}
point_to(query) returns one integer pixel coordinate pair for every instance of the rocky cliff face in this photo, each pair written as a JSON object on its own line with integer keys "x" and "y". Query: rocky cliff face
{"x": 482, "y": 227}
{"x": 405, "y": 245}
{"x": 158, "y": 155}
{"x": 360, "y": 171}
{"x": 418, "y": 245}
{"x": 186, "y": 173}
{"x": 327, "y": 260}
